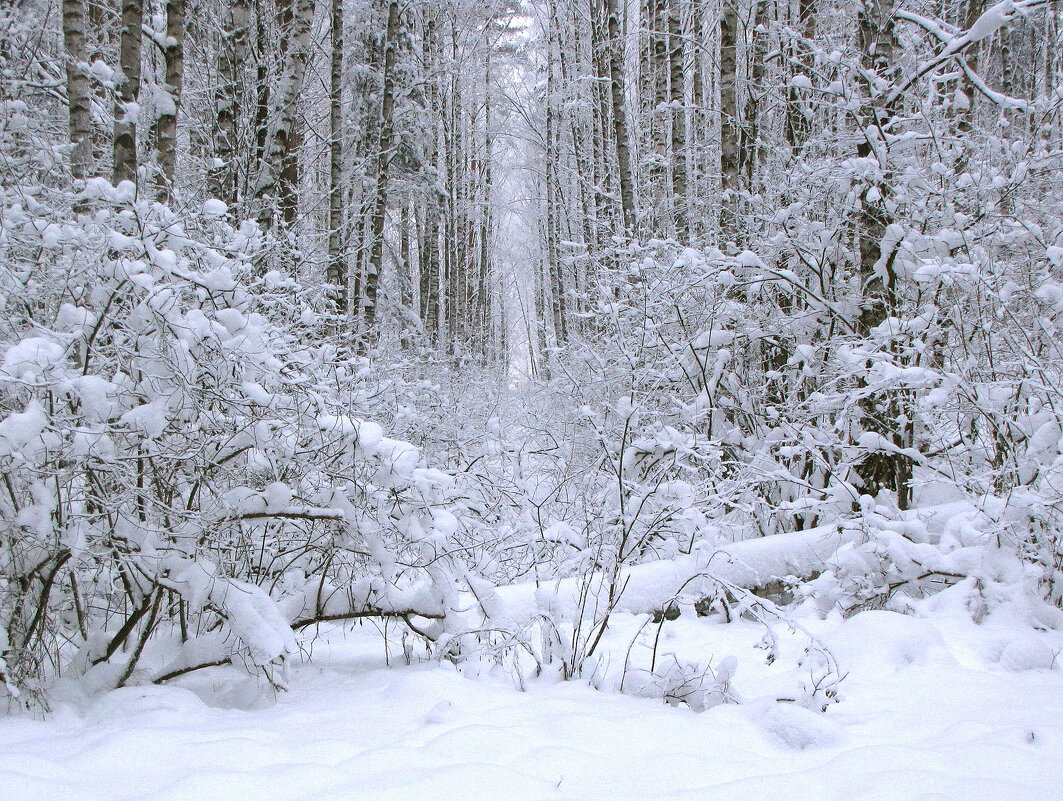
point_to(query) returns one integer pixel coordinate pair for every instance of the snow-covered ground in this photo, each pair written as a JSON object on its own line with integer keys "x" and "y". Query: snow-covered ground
{"x": 932, "y": 708}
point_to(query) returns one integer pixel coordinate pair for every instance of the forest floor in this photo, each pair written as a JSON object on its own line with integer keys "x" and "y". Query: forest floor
{"x": 931, "y": 708}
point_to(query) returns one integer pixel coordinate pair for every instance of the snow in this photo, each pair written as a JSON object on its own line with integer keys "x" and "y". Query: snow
{"x": 1026, "y": 652}
{"x": 101, "y": 72}
{"x": 991, "y": 20}
{"x": 30, "y": 358}
{"x": 164, "y": 101}
{"x": 257, "y": 393}
{"x": 748, "y": 258}
{"x": 126, "y": 191}
{"x": 716, "y": 338}
{"x": 882, "y": 641}
{"x": 652, "y": 586}
{"x": 150, "y": 418}
{"x": 19, "y": 428}
{"x": 665, "y": 565}
{"x": 214, "y": 208}
{"x": 946, "y": 725}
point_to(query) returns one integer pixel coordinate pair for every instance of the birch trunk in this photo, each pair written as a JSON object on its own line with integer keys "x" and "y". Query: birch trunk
{"x": 428, "y": 257}
{"x": 222, "y": 179}
{"x": 758, "y": 55}
{"x": 617, "y": 88}
{"x": 387, "y": 105}
{"x": 79, "y": 100}
{"x": 125, "y": 113}
{"x": 289, "y": 179}
{"x": 280, "y": 138}
{"x": 678, "y": 139}
{"x": 883, "y": 412}
{"x": 337, "y": 265}
{"x": 730, "y": 129}
{"x": 170, "y": 99}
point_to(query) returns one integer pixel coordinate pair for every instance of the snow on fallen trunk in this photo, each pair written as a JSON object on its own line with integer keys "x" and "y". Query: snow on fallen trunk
{"x": 322, "y": 601}
{"x": 650, "y": 587}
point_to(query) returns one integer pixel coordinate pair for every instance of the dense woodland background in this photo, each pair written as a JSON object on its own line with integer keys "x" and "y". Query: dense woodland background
{"x": 624, "y": 282}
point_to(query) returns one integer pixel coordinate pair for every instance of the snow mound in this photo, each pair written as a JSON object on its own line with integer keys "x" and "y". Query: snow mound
{"x": 440, "y": 713}
{"x": 1027, "y": 652}
{"x": 29, "y": 359}
{"x": 876, "y": 641}
{"x": 158, "y": 705}
{"x": 795, "y": 727}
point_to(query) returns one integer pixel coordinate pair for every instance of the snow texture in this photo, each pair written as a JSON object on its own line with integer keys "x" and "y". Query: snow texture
{"x": 922, "y": 724}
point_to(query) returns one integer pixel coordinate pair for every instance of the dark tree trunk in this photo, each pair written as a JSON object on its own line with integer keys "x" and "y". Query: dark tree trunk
{"x": 125, "y": 127}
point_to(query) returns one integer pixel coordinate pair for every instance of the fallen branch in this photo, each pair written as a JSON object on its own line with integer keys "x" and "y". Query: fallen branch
{"x": 404, "y": 614}
{"x": 173, "y": 674}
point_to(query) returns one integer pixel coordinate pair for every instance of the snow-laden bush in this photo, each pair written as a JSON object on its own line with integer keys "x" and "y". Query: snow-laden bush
{"x": 724, "y": 397}
{"x": 177, "y": 458}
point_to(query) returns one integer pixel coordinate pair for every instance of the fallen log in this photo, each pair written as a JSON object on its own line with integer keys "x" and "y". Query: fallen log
{"x": 650, "y": 588}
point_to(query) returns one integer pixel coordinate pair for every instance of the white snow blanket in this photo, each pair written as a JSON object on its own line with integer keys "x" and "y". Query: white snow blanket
{"x": 934, "y": 709}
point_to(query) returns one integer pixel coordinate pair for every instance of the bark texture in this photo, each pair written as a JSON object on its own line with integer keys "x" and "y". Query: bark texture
{"x": 125, "y": 113}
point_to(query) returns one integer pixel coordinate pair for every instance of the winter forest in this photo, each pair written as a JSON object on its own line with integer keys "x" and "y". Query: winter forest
{"x": 527, "y": 399}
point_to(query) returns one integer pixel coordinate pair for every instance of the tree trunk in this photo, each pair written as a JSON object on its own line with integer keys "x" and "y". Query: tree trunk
{"x": 877, "y": 44}
{"x": 405, "y": 266}
{"x": 699, "y": 132}
{"x": 540, "y": 355}
{"x": 288, "y": 182}
{"x": 603, "y": 166}
{"x": 965, "y": 111}
{"x": 222, "y": 177}
{"x": 453, "y": 241}
{"x": 79, "y": 100}
{"x": 653, "y": 92}
{"x": 125, "y": 119}
{"x": 884, "y": 413}
{"x": 387, "y": 105}
{"x": 677, "y": 101}
{"x": 557, "y": 291}
{"x": 484, "y": 284}
{"x": 281, "y": 136}
{"x": 798, "y": 114}
{"x": 169, "y": 99}
{"x": 428, "y": 265}
{"x": 750, "y": 153}
{"x": 263, "y": 58}
{"x": 568, "y": 54}
{"x": 337, "y": 263}
{"x": 290, "y": 177}
{"x": 620, "y": 130}
{"x": 100, "y": 37}
{"x": 730, "y": 128}
{"x": 1051, "y": 44}
{"x": 428, "y": 257}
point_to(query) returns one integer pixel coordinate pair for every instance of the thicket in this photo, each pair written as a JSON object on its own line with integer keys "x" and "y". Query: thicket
{"x": 851, "y": 327}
